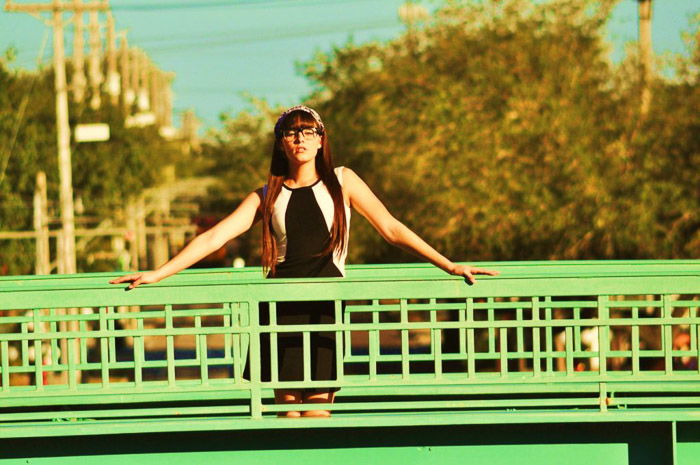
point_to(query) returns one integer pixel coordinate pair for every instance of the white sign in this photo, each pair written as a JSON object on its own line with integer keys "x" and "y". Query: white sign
{"x": 140, "y": 120}
{"x": 168, "y": 132}
{"x": 97, "y": 132}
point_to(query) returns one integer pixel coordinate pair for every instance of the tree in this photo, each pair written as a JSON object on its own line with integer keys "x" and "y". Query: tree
{"x": 105, "y": 174}
{"x": 239, "y": 154}
{"x": 500, "y": 130}
{"x": 483, "y": 133}
{"x": 665, "y": 156}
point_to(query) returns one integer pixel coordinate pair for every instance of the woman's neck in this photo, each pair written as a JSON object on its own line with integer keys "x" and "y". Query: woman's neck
{"x": 301, "y": 176}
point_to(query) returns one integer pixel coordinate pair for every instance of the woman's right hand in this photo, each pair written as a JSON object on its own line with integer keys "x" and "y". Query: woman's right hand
{"x": 136, "y": 279}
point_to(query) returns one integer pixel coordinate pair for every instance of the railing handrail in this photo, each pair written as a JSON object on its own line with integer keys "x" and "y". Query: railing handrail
{"x": 511, "y": 274}
{"x": 426, "y": 271}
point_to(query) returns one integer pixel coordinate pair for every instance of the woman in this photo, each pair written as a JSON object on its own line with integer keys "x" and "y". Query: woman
{"x": 305, "y": 208}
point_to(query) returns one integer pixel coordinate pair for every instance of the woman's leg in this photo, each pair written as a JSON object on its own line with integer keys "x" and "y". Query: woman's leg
{"x": 283, "y": 396}
{"x": 326, "y": 397}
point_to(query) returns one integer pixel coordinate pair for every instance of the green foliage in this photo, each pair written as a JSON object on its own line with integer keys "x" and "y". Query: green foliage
{"x": 665, "y": 159}
{"x": 497, "y": 132}
{"x": 105, "y": 174}
{"x": 500, "y": 130}
{"x": 239, "y": 154}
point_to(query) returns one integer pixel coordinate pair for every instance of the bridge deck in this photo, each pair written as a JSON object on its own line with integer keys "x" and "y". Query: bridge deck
{"x": 569, "y": 343}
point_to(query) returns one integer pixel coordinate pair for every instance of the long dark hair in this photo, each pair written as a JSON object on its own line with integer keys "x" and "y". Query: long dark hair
{"x": 279, "y": 170}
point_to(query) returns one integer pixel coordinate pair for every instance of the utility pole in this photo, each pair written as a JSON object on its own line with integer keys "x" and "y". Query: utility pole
{"x": 125, "y": 73}
{"x": 141, "y": 235}
{"x": 41, "y": 226}
{"x": 57, "y": 8}
{"x": 78, "y": 80}
{"x": 95, "y": 72}
{"x": 135, "y": 73}
{"x": 412, "y": 14}
{"x": 142, "y": 99}
{"x": 189, "y": 126}
{"x": 112, "y": 83}
{"x": 154, "y": 79}
{"x": 168, "y": 99}
{"x": 645, "y": 54}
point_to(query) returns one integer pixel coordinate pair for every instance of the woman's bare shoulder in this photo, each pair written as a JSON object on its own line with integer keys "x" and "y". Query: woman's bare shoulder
{"x": 349, "y": 175}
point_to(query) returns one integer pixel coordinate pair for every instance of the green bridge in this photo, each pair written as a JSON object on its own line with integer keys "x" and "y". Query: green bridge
{"x": 550, "y": 362}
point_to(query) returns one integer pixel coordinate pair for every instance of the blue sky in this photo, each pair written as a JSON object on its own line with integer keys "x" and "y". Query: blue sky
{"x": 222, "y": 50}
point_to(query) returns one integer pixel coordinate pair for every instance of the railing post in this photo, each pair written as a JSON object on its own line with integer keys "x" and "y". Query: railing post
{"x": 339, "y": 348}
{"x": 254, "y": 360}
{"x": 603, "y": 397}
{"x": 471, "y": 345}
{"x": 5, "y": 365}
{"x": 405, "y": 353}
{"x": 536, "y": 349}
{"x": 170, "y": 345}
{"x": 667, "y": 334}
{"x": 603, "y": 330}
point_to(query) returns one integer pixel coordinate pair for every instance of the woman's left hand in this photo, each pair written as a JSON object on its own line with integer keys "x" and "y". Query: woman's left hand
{"x": 469, "y": 271}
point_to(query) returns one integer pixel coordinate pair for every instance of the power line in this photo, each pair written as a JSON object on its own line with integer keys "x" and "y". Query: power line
{"x": 228, "y": 4}
{"x": 216, "y": 41}
{"x": 309, "y": 29}
{"x": 218, "y": 90}
{"x": 269, "y": 36}
{"x": 224, "y": 39}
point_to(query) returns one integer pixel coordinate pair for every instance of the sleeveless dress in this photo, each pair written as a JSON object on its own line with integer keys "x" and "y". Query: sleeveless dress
{"x": 301, "y": 222}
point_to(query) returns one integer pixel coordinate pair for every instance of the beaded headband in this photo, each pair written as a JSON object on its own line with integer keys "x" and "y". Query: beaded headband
{"x": 305, "y": 109}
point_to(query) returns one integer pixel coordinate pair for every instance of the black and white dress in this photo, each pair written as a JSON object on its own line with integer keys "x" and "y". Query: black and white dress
{"x": 301, "y": 222}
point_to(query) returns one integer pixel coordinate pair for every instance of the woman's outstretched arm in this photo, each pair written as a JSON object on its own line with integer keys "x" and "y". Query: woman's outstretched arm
{"x": 362, "y": 199}
{"x": 230, "y": 227}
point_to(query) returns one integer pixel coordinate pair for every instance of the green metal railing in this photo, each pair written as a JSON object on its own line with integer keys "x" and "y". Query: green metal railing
{"x": 542, "y": 342}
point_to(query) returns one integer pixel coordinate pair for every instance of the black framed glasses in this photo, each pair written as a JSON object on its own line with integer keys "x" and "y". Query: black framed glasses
{"x": 306, "y": 132}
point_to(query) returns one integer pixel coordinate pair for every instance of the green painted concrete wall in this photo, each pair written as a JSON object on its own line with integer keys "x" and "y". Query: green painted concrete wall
{"x": 560, "y": 444}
